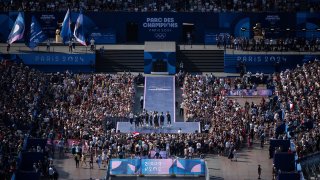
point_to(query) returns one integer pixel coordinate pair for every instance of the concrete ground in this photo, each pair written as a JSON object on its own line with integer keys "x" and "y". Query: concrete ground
{"x": 220, "y": 167}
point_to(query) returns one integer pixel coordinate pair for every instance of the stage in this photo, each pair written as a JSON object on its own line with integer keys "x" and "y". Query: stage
{"x": 186, "y": 127}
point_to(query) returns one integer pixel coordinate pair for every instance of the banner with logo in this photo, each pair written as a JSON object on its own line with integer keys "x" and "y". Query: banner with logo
{"x": 189, "y": 167}
{"x": 124, "y": 166}
{"x": 265, "y": 63}
{"x": 157, "y": 166}
{"x": 57, "y": 59}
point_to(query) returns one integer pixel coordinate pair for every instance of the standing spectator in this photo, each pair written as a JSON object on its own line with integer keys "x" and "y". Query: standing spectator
{"x": 99, "y": 160}
{"x": 141, "y": 101}
{"x": 92, "y": 41}
{"x": 91, "y": 160}
{"x": 70, "y": 46}
{"x": 8, "y": 47}
{"x": 51, "y": 172}
{"x": 83, "y": 160}
{"x": 73, "y": 42}
{"x": 259, "y": 171}
{"x": 77, "y": 160}
{"x": 48, "y": 45}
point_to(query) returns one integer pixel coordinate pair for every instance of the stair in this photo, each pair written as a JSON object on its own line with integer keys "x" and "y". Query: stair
{"x": 201, "y": 60}
{"x": 120, "y": 60}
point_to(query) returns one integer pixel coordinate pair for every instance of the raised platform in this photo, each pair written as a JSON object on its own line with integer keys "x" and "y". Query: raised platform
{"x": 186, "y": 127}
{"x": 60, "y": 48}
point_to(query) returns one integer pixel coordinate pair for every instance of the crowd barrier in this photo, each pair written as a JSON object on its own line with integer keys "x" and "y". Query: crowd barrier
{"x": 284, "y": 144}
{"x": 34, "y": 142}
{"x": 157, "y": 167}
{"x": 290, "y": 175}
{"x": 284, "y": 161}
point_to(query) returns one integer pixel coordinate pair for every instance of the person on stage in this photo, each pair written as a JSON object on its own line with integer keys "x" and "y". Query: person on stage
{"x": 168, "y": 118}
{"x": 137, "y": 119}
{"x": 141, "y": 117}
{"x": 156, "y": 119}
{"x": 151, "y": 118}
{"x": 161, "y": 120}
{"x": 147, "y": 118}
{"x": 131, "y": 116}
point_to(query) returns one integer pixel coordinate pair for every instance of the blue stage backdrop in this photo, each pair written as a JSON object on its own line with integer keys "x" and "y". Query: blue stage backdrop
{"x": 264, "y": 62}
{"x": 110, "y": 27}
{"x": 151, "y": 57}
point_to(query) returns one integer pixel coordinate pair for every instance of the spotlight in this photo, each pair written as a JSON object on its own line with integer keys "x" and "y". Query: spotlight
{"x": 272, "y": 29}
{"x": 303, "y": 29}
{"x": 288, "y": 29}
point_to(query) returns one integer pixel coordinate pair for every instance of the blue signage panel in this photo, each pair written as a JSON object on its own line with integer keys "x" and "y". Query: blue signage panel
{"x": 57, "y": 59}
{"x": 263, "y": 63}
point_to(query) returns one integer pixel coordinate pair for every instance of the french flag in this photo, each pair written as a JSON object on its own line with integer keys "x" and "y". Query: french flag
{"x": 17, "y": 30}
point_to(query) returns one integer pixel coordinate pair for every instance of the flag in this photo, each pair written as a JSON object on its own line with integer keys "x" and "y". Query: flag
{"x": 17, "y": 30}
{"x": 66, "y": 27}
{"x": 79, "y": 30}
{"x": 36, "y": 34}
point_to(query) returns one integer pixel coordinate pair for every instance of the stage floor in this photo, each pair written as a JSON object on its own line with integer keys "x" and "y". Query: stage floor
{"x": 186, "y": 127}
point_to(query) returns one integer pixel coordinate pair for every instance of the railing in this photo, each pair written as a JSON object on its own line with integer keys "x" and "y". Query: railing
{"x": 42, "y": 48}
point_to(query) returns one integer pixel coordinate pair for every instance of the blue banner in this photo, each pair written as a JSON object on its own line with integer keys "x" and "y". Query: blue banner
{"x": 57, "y": 59}
{"x": 124, "y": 166}
{"x": 263, "y": 63}
{"x": 17, "y": 30}
{"x": 36, "y": 35}
{"x": 189, "y": 167}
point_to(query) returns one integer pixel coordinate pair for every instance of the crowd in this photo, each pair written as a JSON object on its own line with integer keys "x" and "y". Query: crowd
{"x": 298, "y": 91}
{"x": 295, "y": 103}
{"x": 160, "y": 6}
{"x": 21, "y": 91}
{"x": 268, "y": 44}
{"x": 63, "y": 106}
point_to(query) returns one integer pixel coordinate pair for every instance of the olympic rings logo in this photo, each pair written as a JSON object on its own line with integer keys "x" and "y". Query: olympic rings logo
{"x": 160, "y": 35}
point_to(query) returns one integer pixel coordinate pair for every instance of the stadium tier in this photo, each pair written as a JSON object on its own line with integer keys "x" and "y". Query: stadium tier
{"x": 159, "y": 89}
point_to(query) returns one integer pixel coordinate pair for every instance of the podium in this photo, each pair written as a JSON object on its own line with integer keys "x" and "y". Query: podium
{"x": 160, "y": 57}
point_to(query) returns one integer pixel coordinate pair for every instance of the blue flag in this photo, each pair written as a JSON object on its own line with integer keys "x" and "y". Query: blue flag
{"x": 17, "y": 30}
{"x": 79, "y": 30}
{"x": 36, "y": 34}
{"x": 66, "y": 27}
